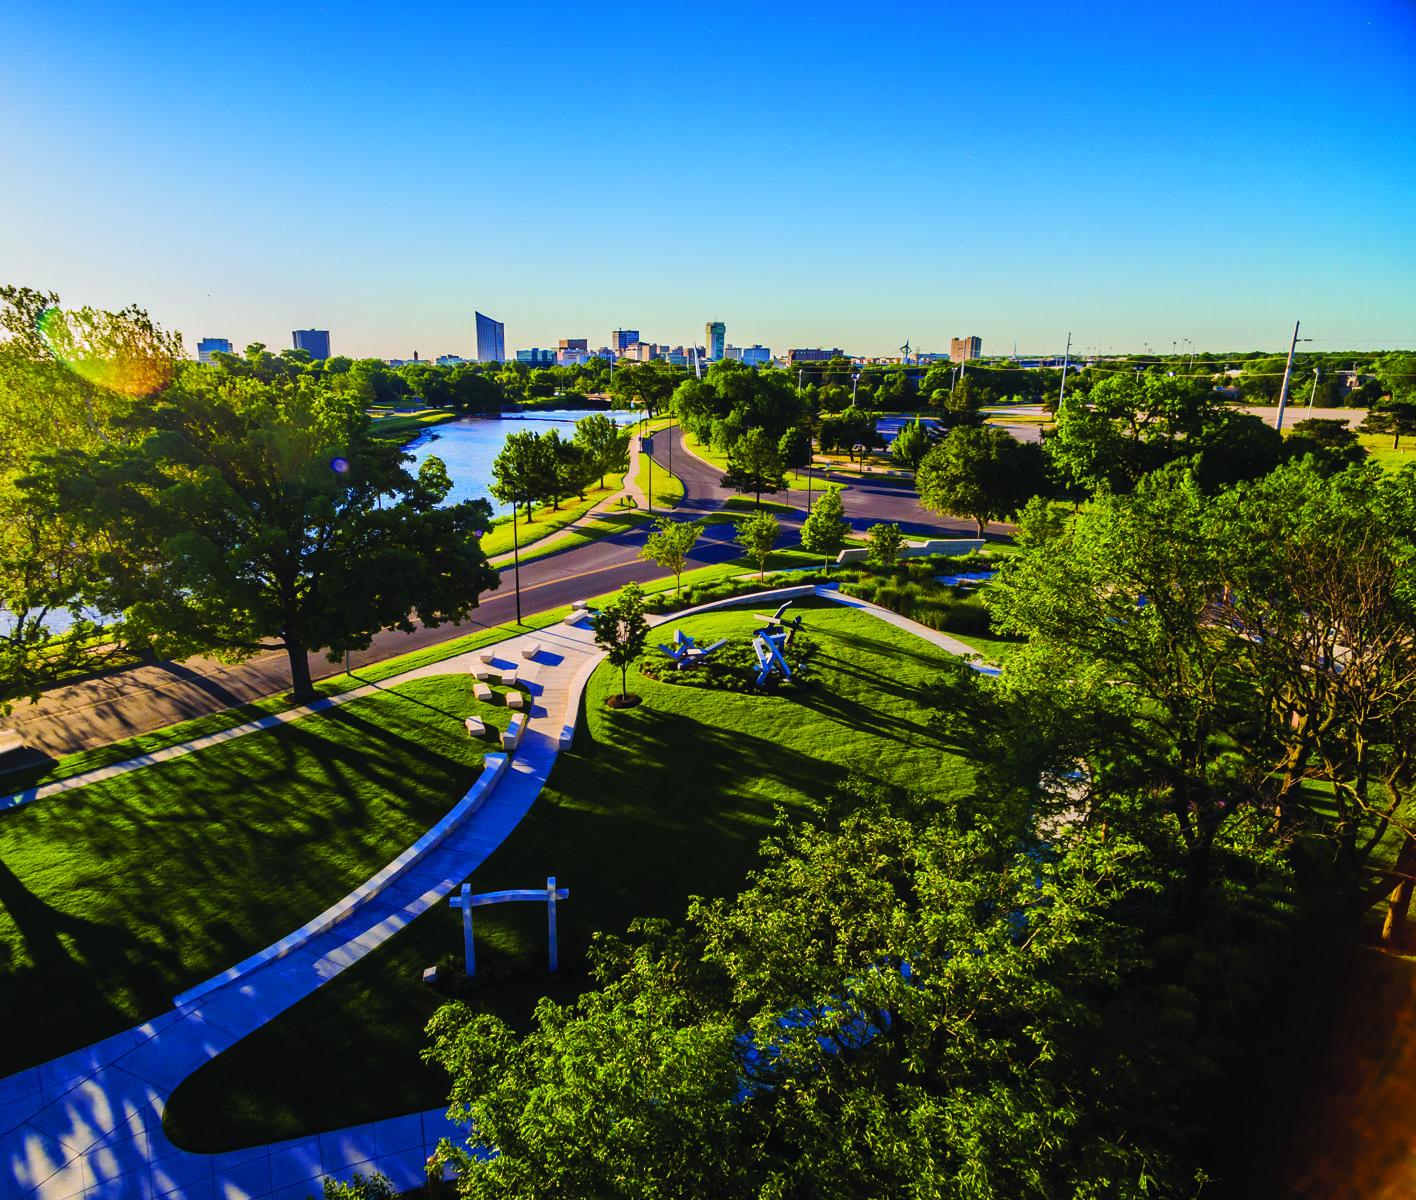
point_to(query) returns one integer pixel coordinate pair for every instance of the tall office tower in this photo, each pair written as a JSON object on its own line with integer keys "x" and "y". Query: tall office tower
{"x": 963, "y": 349}
{"x": 715, "y": 334}
{"x": 756, "y": 356}
{"x": 622, "y": 339}
{"x": 316, "y": 341}
{"x": 206, "y": 346}
{"x": 491, "y": 340}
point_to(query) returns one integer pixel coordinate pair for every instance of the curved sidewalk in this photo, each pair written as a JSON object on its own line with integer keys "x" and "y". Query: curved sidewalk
{"x": 90, "y": 1123}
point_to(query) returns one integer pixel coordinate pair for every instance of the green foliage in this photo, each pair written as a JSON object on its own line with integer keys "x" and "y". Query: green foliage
{"x": 757, "y": 535}
{"x": 911, "y": 444}
{"x": 604, "y": 444}
{"x": 825, "y": 529}
{"x": 670, "y": 545}
{"x": 754, "y": 464}
{"x": 1396, "y": 417}
{"x": 374, "y": 1187}
{"x": 854, "y": 427}
{"x": 985, "y": 474}
{"x": 885, "y": 542}
{"x": 794, "y": 448}
{"x": 621, "y": 630}
{"x": 265, "y": 515}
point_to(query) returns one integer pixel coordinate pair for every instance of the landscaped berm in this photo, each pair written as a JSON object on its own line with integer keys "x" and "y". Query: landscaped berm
{"x": 652, "y": 805}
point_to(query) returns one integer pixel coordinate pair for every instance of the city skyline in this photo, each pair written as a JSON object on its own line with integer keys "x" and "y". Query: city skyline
{"x": 1103, "y": 173}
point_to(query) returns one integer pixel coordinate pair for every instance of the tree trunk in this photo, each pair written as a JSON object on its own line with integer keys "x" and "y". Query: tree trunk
{"x": 1399, "y": 902}
{"x": 979, "y": 522}
{"x": 301, "y": 685}
{"x": 1192, "y": 895}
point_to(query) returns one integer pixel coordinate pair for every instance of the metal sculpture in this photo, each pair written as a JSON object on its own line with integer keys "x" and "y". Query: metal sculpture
{"x": 467, "y": 902}
{"x": 685, "y": 652}
{"x": 769, "y": 642}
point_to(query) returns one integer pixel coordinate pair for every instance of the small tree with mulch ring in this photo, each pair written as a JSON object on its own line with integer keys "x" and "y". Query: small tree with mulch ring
{"x": 621, "y": 631}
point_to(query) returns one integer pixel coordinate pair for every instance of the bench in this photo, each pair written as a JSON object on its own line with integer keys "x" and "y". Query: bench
{"x": 513, "y": 732}
{"x": 10, "y": 741}
{"x": 482, "y": 692}
{"x": 487, "y": 655}
{"x": 515, "y": 699}
{"x": 486, "y": 674}
{"x": 509, "y": 677}
{"x": 475, "y": 728}
{"x": 530, "y": 650}
{"x": 580, "y": 605}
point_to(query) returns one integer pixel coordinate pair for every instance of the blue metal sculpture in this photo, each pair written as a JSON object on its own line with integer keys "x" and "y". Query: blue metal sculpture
{"x": 685, "y": 652}
{"x": 769, "y": 642}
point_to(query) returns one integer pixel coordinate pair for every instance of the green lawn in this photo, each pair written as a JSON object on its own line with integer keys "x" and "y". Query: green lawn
{"x": 653, "y": 805}
{"x": 406, "y": 425}
{"x": 668, "y": 489}
{"x": 545, "y": 521}
{"x": 120, "y": 894}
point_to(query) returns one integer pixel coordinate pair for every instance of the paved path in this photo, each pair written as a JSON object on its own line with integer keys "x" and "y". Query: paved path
{"x": 90, "y": 1124}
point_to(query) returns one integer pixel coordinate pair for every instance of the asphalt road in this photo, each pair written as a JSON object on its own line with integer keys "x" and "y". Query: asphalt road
{"x": 105, "y": 708}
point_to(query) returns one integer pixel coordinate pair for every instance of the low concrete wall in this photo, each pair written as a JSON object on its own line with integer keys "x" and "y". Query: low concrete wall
{"x": 494, "y": 766}
{"x": 951, "y": 549}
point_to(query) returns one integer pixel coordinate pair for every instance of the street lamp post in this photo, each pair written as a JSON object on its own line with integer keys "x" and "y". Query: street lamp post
{"x": 1313, "y": 395}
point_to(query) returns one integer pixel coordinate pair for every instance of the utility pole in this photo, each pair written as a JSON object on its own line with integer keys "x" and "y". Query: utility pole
{"x": 1066, "y": 358}
{"x": 1287, "y": 372}
{"x": 516, "y": 560}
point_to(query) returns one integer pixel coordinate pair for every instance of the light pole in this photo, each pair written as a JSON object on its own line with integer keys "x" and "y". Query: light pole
{"x": 1313, "y": 395}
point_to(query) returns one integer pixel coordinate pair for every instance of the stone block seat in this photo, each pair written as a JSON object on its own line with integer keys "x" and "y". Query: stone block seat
{"x": 486, "y": 674}
{"x": 482, "y": 691}
{"x": 530, "y": 650}
{"x": 475, "y": 727}
{"x": 487, "y": 655}
{"x": 515, "y": 699}
{"x": 509, "y": 677}
{"x": 514, "y": 731}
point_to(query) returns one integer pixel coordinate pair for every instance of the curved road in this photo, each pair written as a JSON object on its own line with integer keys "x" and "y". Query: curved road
{"x": 119, "y": 704}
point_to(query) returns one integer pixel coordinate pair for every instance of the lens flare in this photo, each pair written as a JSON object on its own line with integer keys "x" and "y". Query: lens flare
{"x": 111, "y": 353}
{"x": 341, "y": 465}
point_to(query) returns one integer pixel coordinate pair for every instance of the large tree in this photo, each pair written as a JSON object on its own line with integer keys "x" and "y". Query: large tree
{"x": 265, "y": 516}
{"x": 670, "y": 544}
{"x": 825, "y": 529}
{"x": 604, "y": 443}
{"x": 525, "y": 471}
{"x": 985, "y": 474}
{"x": 755, "y": 465}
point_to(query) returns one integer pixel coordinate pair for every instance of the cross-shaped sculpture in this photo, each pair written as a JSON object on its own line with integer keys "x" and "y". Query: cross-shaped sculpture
{"x": 466, "y": 901}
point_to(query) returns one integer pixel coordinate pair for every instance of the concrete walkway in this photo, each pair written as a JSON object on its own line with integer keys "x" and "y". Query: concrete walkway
{"x": 89, "y": 1124}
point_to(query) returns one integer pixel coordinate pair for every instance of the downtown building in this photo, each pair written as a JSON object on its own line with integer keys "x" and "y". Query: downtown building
{"x": 315, "y": 341}
{"x": 622, "y": 339}
{"x": 491, "y": 340}
{"x": 209, "y": 346}
{"x": 715, "y": 336}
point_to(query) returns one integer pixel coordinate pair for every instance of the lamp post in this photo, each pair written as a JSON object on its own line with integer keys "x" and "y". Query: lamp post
{"x": 1313, "y": 395}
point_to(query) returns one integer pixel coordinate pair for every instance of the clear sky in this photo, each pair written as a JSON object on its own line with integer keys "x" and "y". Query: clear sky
{"x": 813, "y": 174}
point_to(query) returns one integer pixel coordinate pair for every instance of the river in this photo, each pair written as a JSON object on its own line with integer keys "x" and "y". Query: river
{"x": 468, "y": 447}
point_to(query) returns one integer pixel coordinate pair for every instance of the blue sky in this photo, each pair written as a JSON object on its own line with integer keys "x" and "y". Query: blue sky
{"x": 812, "y": 174}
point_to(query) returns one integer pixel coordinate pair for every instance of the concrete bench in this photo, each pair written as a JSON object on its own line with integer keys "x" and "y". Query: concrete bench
{"x": 513, "y": 732}
{"x": 482, "y": 692}
{"x": 530, "y": 650}
{"x": 10, "y": 741}
{"x": 509, "y": 677}
{"x": 580, "y": 605}
{"x": 573, "y": 618}
{"x": 486, "y": 674}
{"x": 475, "y": 727}
{"x": 487, "y": 655}
{"x": 515, "y": 699}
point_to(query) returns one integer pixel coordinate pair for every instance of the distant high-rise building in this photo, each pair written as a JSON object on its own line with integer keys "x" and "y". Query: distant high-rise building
{"x": 756, "y": 356}
{"x": 537, "y": 357}
{"x": 963, "y": 349}
{"x": 316, "y": 341}
{"x": 714, "y": 333}
{"x": 207, "y": 346}
{"x": 622, "y": 339}
{"x": 491, "y": 340}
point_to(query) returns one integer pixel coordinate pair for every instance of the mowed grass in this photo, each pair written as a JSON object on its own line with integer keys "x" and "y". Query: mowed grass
{"x": 120, "y": 894}
{"x": 545, "y": 521}
{"x": 652, "y": 805}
